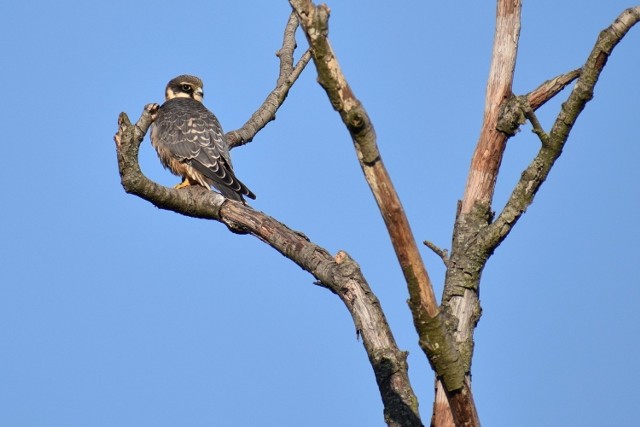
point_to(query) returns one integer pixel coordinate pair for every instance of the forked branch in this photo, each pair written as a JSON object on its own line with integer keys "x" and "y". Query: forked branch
{"x": 435, "y": 339}
{"x": 286, "y": 78}
{"x": 476, "y": 234}
{"x": 553, "y": 142}
{"x": 460, "y": 299}
{"x": 340, "y": 274}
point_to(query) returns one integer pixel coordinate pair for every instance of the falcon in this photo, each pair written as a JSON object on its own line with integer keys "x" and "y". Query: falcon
{"x": 190, "y": 142}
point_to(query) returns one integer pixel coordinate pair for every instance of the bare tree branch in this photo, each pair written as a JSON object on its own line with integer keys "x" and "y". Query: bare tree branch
{"x": 552, "y": 144}
{"x": 340, "y": 274}
{"x": 536, "y": 125}
{"x": 314, "y": 21}
{"x": 517, "y": 109}
{"x": 460, "y": 294}
{"x": 476, "y": 235}
{"x": 442, "y": 253}
{"x": 287, "y": 50}
{"x": 446, "y": 332}
{"x": 287, "y": 77}
{"x": 487, "y": 157}
{"x": 547, "y": 90}
{"x": 460, "y": 301}
{"x": 435, "y": 339}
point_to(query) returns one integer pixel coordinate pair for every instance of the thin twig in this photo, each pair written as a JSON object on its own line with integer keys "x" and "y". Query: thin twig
{"x": 536, "y": 125}
{"x": 285, "y": 54}
{"x": 287, "y": 76}
{"x": 442, "y": 253}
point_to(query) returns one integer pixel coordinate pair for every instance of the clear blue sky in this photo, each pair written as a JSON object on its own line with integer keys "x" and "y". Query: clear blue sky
{"x": 114, "y": 313}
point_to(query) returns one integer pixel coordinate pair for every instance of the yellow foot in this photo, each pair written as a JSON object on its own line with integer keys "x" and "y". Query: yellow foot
{"x": 183, "y": 184}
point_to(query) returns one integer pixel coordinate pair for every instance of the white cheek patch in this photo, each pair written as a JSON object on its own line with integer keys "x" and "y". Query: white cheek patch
{"x": 171, "y": 94}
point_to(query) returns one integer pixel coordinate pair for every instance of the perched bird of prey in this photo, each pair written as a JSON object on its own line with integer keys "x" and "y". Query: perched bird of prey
{"x": 190, "y": 141}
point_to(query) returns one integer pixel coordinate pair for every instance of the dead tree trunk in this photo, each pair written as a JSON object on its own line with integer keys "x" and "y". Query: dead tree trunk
{"x": 445, "y": 331}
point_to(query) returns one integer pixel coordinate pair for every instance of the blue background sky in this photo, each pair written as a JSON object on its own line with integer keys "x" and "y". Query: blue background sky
{"x": 114, "y": 313}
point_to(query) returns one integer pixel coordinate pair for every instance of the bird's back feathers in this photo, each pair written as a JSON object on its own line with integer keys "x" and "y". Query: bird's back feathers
{"x": 186, "y": 131}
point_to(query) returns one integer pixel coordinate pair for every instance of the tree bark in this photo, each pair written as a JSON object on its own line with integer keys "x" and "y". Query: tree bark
{"x": 340, "y": 274}
{"x": 434, "y": 337}
{"x": 476, "y": 235}
{"x": 446, "y": 331}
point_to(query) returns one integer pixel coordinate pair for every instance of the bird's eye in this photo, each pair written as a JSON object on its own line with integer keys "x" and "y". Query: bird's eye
{"x": 187, "y": 88}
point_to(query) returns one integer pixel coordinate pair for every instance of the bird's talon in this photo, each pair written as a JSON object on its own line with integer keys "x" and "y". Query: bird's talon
{"x": 183, "y": 184}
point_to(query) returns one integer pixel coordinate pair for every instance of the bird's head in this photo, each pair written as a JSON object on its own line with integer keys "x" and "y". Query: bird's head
{"x": 185, "y": 86}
